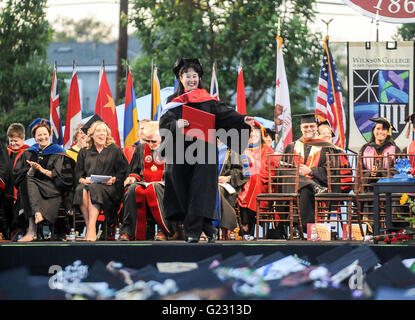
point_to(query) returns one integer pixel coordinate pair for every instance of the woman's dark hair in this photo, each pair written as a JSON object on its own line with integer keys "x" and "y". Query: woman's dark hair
{"x": 388, "y": 139}
{"x": 180, "y": 89}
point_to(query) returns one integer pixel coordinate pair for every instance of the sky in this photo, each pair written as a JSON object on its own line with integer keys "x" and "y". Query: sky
{"x": 347, "y": 24}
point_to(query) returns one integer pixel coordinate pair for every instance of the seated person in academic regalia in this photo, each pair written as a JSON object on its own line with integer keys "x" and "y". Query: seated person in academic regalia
{"x": 42, "y": 174}
{"x": 128, "y": 151}
{"x": 101, "y": 157}
{"x": 142, "y": 203}
{"x": 410, "y": 149}
{"x": 79, "y": 139}
{"x": 380, "y": 143}
{"x": 231, "y": 180}
{"x": 16, "y": 147}
{"x": 269, "y": 137}
{"x": 313, "y": 171}
{"x": 257, "y": 154}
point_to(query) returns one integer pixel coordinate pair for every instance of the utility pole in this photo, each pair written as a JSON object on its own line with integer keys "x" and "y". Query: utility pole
{"x": 122, "y": 47}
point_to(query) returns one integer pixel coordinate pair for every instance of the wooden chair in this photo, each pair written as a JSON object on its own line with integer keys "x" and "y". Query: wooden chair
{"x": 364, "y": 192}
{"x": 340, "y": 199}
{"x": 282, "y": 201}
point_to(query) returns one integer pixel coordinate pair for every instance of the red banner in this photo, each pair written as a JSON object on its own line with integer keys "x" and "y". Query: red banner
{"x": 395, "y": 11}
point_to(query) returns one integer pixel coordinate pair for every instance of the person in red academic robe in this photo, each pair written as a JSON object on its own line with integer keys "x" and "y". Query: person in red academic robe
{"x": 142, "y": 203}
{"x": 256, "y": 152}
{"x": 410, "y": 149}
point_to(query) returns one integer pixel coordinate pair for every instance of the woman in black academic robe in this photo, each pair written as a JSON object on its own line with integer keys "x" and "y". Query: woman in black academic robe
{"x": 101, "y": 157}
{"x": 191, "y": 187}
{"x": 42, "y": 175}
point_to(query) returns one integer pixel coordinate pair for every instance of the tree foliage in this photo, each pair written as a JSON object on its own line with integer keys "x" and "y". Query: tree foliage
{"x": 83, "y": 30}
{"x": 226, "y": 32}
{"x": 25, "y": 75}
{"x": 406, "y": 32}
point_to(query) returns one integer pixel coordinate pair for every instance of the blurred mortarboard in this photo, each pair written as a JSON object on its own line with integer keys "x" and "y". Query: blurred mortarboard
{"x": 38, "y": 121}
{"x": 183, "y": 62}
{"x": 89, "y": 123}
{"x": 386, "y": 124}
{"x": 326, "y": 123}
{"x": 307, "y": 117}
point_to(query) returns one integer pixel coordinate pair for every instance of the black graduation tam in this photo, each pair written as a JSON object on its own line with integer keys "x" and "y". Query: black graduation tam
{"x": 183, "y": 62}
{"x": 386, "y": 124}
{"x": 411, "y": 118}
{"x": 308, "y": 118}
{"x": 39, "y": 121}
{"x": 89, "y": 123}
{"x": 325, "y": 122}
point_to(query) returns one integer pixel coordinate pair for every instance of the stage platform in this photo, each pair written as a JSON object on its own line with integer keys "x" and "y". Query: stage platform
{"x": 38, "y": 256}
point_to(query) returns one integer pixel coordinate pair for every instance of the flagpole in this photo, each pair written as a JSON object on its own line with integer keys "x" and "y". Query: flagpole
{"x": 377, "y": 25}
{"x": 152, "y": 93}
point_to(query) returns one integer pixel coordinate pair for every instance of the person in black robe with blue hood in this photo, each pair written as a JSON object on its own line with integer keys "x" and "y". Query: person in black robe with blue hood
{"x": 42, "y": 174}
{"x": 191, "y": 186}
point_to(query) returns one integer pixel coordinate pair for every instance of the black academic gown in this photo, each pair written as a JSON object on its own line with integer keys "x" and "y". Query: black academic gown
{"x": 318, "y": 176}
{"x": 232, "y": 167}
{"x": 38, "y": 192}
{"x": 190, "y": 189}
{"x": 109, "y": 162}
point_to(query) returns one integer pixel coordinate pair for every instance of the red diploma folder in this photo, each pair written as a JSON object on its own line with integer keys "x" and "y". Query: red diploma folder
{"x": 199, "y": 124}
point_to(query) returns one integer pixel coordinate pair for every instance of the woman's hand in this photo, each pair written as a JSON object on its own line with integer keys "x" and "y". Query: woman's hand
{"x": 111, "y": 181}
{"x": 129, "y": 180}
{"x": 85, "y": 181}
{"x": 224, "y": 179}
{"x": 249, "y": 121}
{"x": 38, "y": 167}
{"x": 182, "y": 123}
{"x": 304, "y": 170}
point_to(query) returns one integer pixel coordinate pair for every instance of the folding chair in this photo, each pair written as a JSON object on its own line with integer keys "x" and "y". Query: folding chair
{"x": 340, "y": 199}
{"x": 282, "y": 201}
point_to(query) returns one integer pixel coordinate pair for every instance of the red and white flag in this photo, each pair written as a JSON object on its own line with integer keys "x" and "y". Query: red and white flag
{"x": 282, "y": 111}
{"x": 105, "y": 106}
{"x": 55, "y": 117}
{"x": 73, "y": 112}
{"x": 240, "y": 92}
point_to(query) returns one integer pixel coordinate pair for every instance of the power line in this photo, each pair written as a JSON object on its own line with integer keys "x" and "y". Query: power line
{"x": 82, "y": 3}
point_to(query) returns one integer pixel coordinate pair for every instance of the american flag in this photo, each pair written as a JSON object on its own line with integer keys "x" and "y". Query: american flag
{"x": 329, "y": 104}
{"x": 55, "y": 117}
{"x": 214, "y": 88}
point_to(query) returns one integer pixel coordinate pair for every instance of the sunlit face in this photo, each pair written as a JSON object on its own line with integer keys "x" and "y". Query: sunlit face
{"x": 16, "y": 142}
{"x": 153, "y": 141}
{"x": 309, "y": 130}
{"x": 255, "y": 136}
{"x": 81, "y": 139}
{"x": 42, "y": 136}
{"x": 141, "y": 126}
{"x": 268, "y": 140}
{"x": 380, "y": 133}
{"x": 100, "y": 135}
{"x": 324, "y": 133}
{"x": 190, "y": 80}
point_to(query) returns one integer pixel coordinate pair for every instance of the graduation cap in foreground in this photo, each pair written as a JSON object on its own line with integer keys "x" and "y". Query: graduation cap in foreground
{"x": 326, "y": 123}
{"x": 186, "y": 62}
{"x": 89, "y": 123}
{"x": 386, "y": 124}
{"x": 37, "y": 122}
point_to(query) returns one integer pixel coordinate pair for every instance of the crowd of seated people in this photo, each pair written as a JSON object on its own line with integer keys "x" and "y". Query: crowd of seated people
{"x": 36, "y": 181}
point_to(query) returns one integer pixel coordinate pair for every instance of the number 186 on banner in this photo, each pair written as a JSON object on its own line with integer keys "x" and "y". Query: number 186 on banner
{"x": 395, "y": 11}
